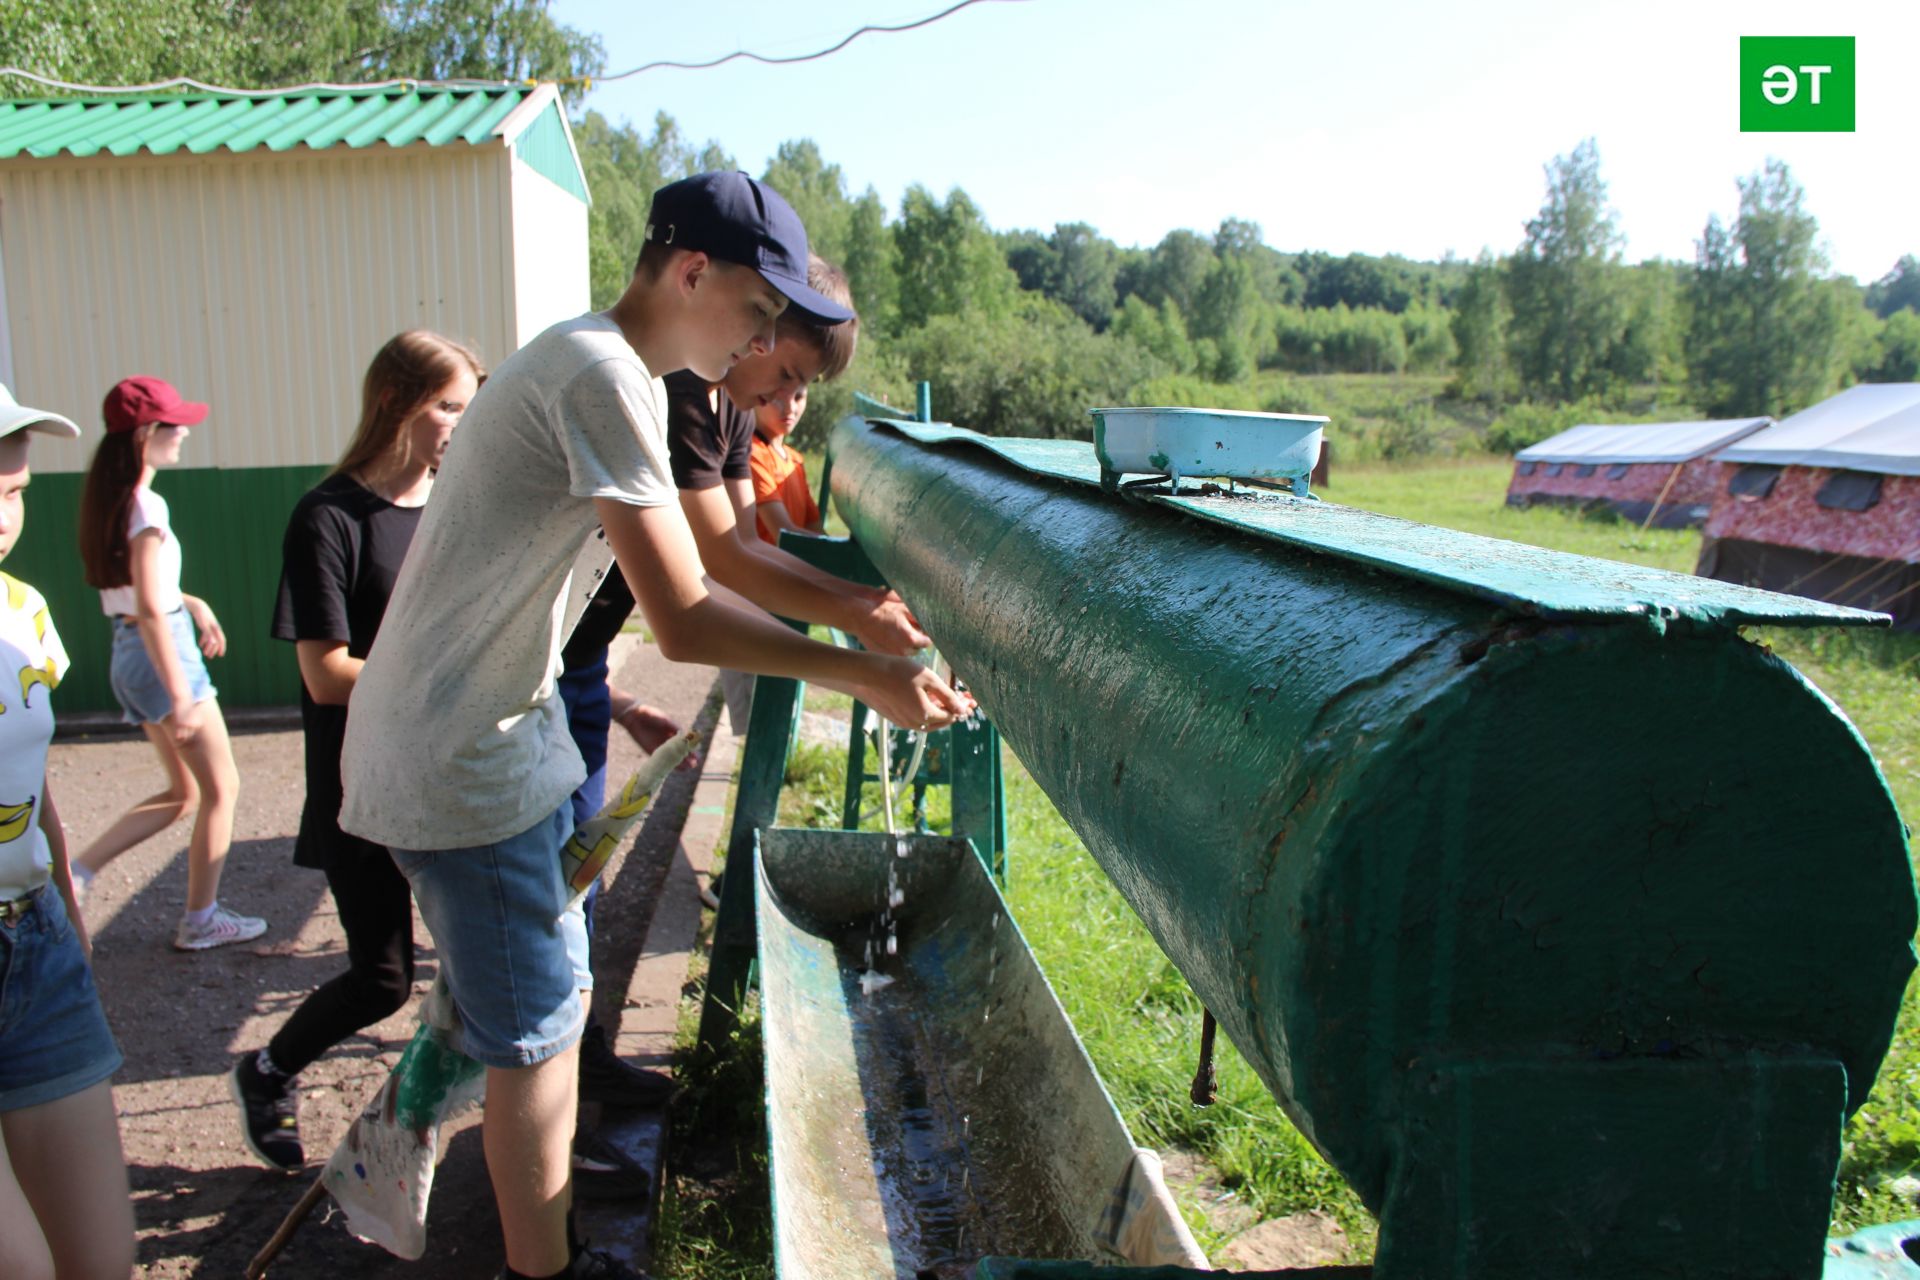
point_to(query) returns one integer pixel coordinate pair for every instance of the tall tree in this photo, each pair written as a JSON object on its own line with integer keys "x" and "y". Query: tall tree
{"x": 479, "y": 39}
{"x": 1897, "y": 290}
{"x": 1031, "y": 256}
{"x": 818, "y": 193}
{"x": 1650, "y": 346}
{"x": 260, "y": 45}
{"x": 1163, "y": 333}
{"x": 1176, "y": 268}
{"x": 873, "y": 266}
{"x": 1480, "y": 319}
{"x": 1763, "y": 337}
{"x": 1083, "y": 272}
{"x": 1227, "y": 311}
{"x": 1274, "y": 278}
{"x": 949, "y": 262}
{"x": 624, "y": 169}
{"x": 1565, "y": 286}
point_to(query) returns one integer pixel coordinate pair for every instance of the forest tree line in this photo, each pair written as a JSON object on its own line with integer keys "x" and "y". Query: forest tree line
{"x": 1020, "y": 331}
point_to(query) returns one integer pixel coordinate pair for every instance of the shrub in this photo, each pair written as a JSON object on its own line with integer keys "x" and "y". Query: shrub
{"x": 1530, "y": 422}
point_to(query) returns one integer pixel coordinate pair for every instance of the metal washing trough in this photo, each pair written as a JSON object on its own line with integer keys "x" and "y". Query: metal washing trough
{"x": 928, "y": 1102}
{"x": 1567, "y": 923}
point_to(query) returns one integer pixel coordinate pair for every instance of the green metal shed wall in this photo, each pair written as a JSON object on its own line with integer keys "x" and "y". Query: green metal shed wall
{"x": 229, "y": 523}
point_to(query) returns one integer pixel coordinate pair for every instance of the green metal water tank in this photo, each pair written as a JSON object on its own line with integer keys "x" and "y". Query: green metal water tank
{"x": 1565, "y": 921}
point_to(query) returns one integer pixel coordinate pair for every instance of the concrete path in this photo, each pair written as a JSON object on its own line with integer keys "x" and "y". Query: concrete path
{"x": 203, "y": 1205}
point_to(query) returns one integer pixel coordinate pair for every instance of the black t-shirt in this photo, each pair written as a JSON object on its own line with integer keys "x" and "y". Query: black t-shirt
{"x": 605, "y": 614}
{"x": 705, "y": 447}
{"x": 341, "y": 554}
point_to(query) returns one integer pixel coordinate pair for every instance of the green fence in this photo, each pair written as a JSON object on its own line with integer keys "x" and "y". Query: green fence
{"x": 230, "y": 524}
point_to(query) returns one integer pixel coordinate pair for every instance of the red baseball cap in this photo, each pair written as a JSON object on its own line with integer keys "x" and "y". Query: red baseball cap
{"x": 134, "y": 402}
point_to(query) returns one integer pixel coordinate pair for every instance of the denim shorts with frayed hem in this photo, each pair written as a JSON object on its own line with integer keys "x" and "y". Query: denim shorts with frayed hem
{"x": 514, "y": 955}
{"x": 54, "y": 1040}
{"x": 143, "y": 698}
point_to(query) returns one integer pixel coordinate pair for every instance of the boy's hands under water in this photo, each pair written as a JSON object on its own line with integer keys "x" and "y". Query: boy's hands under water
{"x": 889, "y": 626}
{"x": 912, "y": 697}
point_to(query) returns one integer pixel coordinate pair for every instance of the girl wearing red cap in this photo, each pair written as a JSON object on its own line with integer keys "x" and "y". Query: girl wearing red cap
{"x": 131, "y": 554}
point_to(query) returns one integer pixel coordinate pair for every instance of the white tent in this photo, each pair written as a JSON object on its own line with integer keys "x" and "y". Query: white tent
{"x": 1871, "y": 427}
{"x": 1826, "y": 504}
{"x": 1647, "y": 472}
{"x": 1641, "y": 441}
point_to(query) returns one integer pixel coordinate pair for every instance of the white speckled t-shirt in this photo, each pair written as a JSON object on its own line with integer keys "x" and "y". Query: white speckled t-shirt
{"x": 456, "y": 735}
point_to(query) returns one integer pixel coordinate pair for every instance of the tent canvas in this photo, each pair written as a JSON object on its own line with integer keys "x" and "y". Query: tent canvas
{"x": 1658, "y": 471}
{"x": 1871, "y": 427}
{"x": 1826, "y": 504}
{"x": 1638, "y": 442}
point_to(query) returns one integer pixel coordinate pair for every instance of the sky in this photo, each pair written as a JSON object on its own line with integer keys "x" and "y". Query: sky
{"x": 1390, "y": 127}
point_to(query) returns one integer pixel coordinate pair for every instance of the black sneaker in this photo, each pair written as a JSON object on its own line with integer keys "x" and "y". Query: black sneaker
{"x": 605, "y": 1079}
{"x": 601, "y": 1171}
{"x": 269, "y": 1115}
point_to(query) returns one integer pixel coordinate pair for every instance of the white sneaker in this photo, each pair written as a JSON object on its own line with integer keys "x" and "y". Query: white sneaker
{"x": 221, "y": 928}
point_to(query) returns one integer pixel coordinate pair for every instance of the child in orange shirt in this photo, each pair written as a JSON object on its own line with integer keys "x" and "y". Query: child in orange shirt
{"x": 780, "y": 496}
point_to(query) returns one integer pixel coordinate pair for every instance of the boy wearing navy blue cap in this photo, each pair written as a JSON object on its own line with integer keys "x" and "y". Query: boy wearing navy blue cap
{"x": 457, "y": 755}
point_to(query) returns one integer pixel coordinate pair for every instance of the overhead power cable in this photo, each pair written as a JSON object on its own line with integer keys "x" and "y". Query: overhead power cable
{"x": 869, "y": 29}
{"x": 188, "y": 82}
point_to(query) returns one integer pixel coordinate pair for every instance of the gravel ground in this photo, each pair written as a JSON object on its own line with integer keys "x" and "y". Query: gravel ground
{"x": 203, "y": 1205}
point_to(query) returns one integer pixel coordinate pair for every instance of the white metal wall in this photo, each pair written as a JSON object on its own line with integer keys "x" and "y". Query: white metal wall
{"x": 259, "y": 283}
{"x": 550, "y": 265}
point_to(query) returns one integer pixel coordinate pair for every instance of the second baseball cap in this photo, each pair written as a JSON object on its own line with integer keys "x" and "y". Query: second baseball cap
{"x": 134, "y": 402}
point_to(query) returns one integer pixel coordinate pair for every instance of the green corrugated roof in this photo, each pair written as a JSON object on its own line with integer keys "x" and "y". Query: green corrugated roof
{"x": 163, "y": 124}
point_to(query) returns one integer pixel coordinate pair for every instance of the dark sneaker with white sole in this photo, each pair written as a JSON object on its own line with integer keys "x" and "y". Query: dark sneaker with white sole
{"x": 606, "y": 1079}
{"x": 601, "y": 1171}
{"x": 269, "y": 1115}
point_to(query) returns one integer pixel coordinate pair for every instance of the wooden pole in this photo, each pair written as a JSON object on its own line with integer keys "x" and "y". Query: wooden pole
{"x": 290, "y": 1224}
{"x": 1662, "y": 499}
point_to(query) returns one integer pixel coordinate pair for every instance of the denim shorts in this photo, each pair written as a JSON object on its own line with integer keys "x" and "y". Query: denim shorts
{"x": 514, "y": 955}
{"x": 143, "y": 699}
{"x": 54, "y": 1040}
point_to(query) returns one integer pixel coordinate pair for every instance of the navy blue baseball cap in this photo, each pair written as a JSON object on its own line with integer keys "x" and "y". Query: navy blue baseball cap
{"x": 737, "y": 219}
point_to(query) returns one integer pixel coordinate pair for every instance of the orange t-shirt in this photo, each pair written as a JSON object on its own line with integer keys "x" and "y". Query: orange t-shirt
{"x": 783, "y": 480}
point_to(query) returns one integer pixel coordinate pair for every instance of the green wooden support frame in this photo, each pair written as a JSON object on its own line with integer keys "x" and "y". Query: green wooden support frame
{"x": 966, "y": 757}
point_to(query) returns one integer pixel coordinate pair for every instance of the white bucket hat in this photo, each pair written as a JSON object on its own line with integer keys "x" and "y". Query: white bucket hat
{"x": 17, "y": 417}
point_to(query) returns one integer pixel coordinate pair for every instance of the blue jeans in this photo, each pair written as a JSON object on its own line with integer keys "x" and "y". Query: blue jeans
{"x": 589, "y": 703}
{"x": 136, "y": 684}
{"x": 54, "y": 1040}
{"x": 513, "y": 953}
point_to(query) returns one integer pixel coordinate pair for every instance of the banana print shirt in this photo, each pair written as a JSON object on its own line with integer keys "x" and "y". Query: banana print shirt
{"x": 32, "y": 660}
